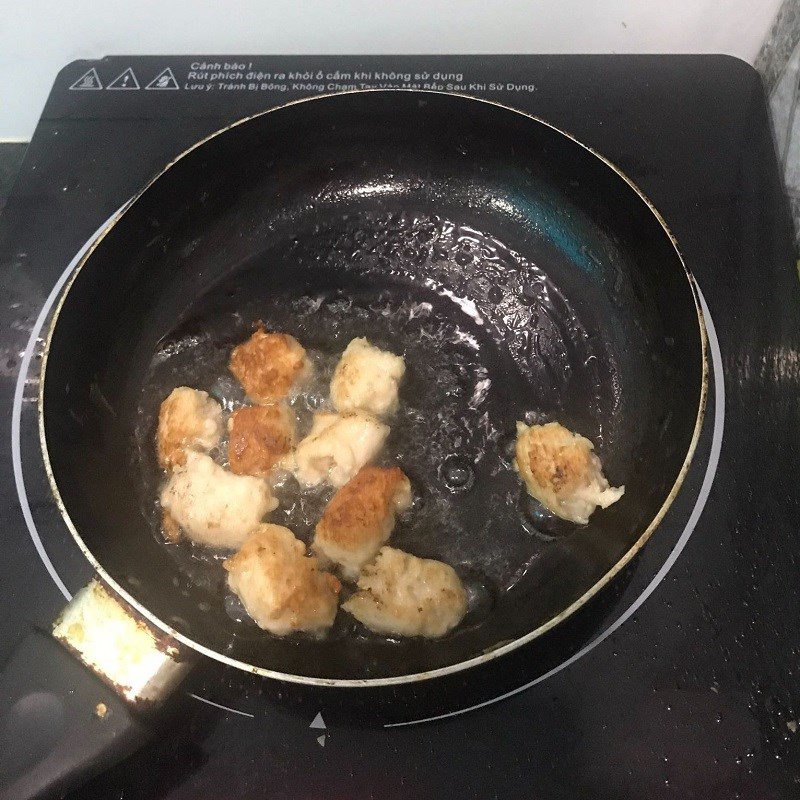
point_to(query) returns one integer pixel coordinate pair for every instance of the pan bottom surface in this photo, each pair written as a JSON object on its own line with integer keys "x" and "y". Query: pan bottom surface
{"x": 488, "y": 339}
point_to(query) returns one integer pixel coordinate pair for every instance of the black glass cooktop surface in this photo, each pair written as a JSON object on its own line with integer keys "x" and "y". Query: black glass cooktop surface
{"x": 680, "y": 679}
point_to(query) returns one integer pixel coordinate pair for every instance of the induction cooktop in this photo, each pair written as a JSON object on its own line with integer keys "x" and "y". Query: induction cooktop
{"x": 678, "y": 680}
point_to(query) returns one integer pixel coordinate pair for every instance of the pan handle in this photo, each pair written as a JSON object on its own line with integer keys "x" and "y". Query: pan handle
{"x": 59, "y": 723}
{"x": 69, "y": 701}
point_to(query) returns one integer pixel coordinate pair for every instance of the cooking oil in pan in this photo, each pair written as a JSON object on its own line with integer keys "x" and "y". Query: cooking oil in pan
{"x": 487, "y": 340}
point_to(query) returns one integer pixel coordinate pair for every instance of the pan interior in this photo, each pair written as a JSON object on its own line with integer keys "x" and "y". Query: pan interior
{"x": 520, "y": 277}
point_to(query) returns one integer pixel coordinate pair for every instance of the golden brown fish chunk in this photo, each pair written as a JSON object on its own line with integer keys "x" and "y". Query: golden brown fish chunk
{"x": 400, "y": 594}
{"x": 269, "y": 366}
{"x": 211, "y": 505}
{"x": 360, "y": 517}
{"x": 259, "y": 437}
{"x": 282, "y": 588}
{"x": 561, "y": 471}
{"x": 187, "y": 420}
{"x": 367, "y": 379}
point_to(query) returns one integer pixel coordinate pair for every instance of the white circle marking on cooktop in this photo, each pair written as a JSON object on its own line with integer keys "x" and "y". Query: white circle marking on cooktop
{"x": 219, "y": 705}
{"x": 702, "y": 497}
{"x": 16, "y": 411}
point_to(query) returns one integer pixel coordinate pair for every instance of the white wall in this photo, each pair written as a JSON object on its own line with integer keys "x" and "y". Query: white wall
{"x": 38, "y": 38}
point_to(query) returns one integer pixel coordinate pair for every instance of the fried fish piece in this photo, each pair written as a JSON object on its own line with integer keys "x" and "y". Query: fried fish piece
{"x": 259, "y": 436}
{"x": 213, "y": 506}
{"x": 561, "y": 471}
{"x": 269, "y": 366}
{"x": 367, "y": 379}
{"x": 360, "y": 517}
{"x": 188, "y": 420}
{"x": 400, "y": 594}
{"x": 336, "y": 448}
{"x": 282, "y": 588}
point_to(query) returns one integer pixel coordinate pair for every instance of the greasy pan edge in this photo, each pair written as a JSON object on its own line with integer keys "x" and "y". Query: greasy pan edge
{"x": 442, "y": 671}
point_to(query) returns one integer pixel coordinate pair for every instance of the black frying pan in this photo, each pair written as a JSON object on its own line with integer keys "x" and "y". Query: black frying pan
{"x": 522, "y": 277}
{"x": 519, "y": 273}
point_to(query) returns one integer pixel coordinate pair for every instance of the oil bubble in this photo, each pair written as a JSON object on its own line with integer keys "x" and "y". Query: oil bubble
{"x": 540, "y": 522}
{"x": 457, "y": 473}
{"x": 234, "y": 608}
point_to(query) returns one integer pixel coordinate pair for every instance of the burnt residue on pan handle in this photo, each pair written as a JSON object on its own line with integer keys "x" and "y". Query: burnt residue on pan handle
{"x": 75, "y": 702}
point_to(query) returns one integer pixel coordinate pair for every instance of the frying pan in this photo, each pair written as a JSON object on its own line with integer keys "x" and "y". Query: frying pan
{"x": 522, "y": 276}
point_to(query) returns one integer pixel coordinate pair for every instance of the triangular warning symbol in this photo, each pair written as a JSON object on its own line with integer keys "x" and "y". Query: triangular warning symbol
{"x": 318, "y": 722}
{"x": 89, "y": 81}
{"x": 164, "y": 80}
{"x": 127, "y": 80}
{"x": 321, "y": 740}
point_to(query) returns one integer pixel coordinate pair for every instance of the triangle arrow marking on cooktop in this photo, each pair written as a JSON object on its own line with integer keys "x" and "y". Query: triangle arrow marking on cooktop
{"x": 318, "y": 722}
{"x": 321, "y": 740}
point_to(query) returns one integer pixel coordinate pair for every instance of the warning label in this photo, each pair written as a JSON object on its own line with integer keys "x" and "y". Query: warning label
{"x": 223, "y": 76}
{"x": 248, "y": 77}
{"x": 89, "y": 81}
{"x": 164, "y": 80}
{"x": 126, "y": 80}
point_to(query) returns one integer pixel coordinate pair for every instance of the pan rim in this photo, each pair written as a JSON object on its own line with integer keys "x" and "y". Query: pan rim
{"x": 451, "y": 669}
